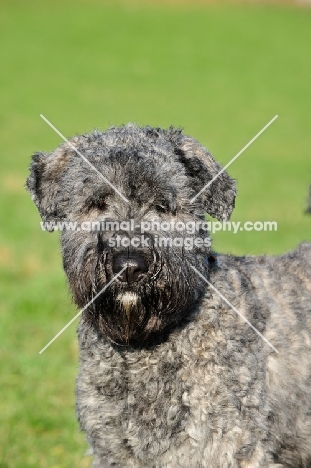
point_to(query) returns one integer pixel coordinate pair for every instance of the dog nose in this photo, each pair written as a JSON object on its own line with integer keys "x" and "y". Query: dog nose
{"x": 136, "y": 267}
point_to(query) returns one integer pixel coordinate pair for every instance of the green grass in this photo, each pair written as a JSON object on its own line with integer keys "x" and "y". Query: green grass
{"x": 221, "y": 72}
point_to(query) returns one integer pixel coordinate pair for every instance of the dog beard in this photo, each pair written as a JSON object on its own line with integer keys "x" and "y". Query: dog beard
{"x": 133, "y": 316}
{"x": 143, "y": 312}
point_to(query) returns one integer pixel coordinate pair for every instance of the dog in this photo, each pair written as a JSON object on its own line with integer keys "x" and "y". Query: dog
{"x": 170, "y": 374}
{"x": 308, "y": 210}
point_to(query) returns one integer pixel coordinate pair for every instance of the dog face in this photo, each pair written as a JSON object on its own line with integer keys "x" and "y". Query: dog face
{"x": 158, "y": 171}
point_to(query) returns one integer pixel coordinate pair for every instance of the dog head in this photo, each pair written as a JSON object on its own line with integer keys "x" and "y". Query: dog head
{"x": 135, "y": 191}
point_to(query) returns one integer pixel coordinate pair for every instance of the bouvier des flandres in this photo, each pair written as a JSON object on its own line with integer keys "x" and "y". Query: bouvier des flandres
{"x": 170, "y": 375}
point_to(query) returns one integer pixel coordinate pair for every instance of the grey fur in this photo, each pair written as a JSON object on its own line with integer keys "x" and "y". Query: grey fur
{"x": 175, "y": 378}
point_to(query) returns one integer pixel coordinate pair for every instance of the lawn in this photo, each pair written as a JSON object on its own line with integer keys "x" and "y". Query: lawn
{"x": 221, "y": 72}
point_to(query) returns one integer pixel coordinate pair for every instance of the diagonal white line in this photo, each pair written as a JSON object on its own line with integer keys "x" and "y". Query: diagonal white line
{"x": 82, "y": 310}
{"x": 233, "y": 159}
{"x": 84, "y": 158}
{"x": 235, "y": 310}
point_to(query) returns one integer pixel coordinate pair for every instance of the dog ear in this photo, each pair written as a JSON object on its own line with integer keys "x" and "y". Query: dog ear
{"x": 219, "y": 197}
{"x": 44, "y": 185}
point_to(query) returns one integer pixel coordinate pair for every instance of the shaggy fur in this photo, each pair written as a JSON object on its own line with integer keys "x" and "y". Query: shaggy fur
{"x": 170, "y": 376}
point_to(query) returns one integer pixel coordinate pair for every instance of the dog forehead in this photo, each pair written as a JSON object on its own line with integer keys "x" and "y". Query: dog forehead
{"x": 125, "y": 156}
{"x": 129, "y": 137}
{"x": 140, "y": 175}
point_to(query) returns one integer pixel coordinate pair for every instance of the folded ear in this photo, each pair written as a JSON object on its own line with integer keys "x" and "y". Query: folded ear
{"x": 219, "y": 197}
{"x": 44, "y": 184}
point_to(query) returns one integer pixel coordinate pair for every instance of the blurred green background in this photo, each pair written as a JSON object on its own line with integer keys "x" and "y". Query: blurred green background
{"x": 221, "y": 71}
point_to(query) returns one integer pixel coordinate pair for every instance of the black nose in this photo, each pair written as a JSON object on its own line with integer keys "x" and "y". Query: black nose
{"x": 136, "y": 267}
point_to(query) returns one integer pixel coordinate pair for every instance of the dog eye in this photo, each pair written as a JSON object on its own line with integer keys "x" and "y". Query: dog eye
{"x": 161, "y": 208}
{"x": 101, "y": 204}
{"x": 98, "y": 203}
